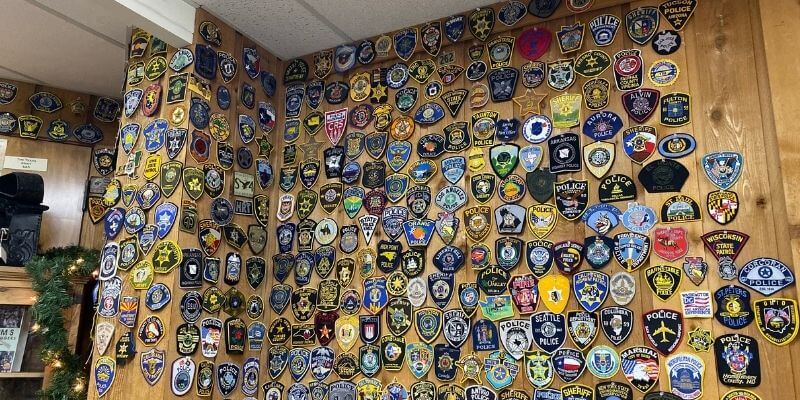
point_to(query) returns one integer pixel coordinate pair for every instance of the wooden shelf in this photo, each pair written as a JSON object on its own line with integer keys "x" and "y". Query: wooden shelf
{"x": 22, "y": 375}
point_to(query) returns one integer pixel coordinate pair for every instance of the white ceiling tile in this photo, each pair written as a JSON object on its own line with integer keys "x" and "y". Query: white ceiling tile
{"x": 100, "y": 16}
{"x": 284, "y": 27}
{"x": 47, "y": 48}
{"x": 362, "y": 19}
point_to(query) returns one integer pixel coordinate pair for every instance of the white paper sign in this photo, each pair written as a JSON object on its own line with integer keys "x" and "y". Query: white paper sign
{"x": 25, "y": 163}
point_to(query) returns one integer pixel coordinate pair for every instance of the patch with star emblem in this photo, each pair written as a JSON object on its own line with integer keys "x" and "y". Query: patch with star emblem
{"x": 561, "y": 74}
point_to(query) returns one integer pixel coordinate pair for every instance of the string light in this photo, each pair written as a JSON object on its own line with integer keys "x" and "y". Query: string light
{"x": 35, "y": 327}
{"x": 78, "y": 388}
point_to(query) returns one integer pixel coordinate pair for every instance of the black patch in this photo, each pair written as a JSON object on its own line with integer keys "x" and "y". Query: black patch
{"x": 330, "y": 196}
{"x": 662, "y": 176}
{"x": 188, "y": 337}
{"x": 616, "y": 324}
{"x": 457, "y": 136}
{"x": 334, "y": 159}
{"x": 440, "y": 286}
{"x": 502, "y": 84}
{"x": 483, "y": 187}
{"x": 676, "y": 109}
{"x": 191, "y": 269}
{"x": 227, "y": 378}
{"x": 572, "y": 197}
{"x": 617, "y": 187}
{"x": 613, "y": 391}
{"x": 597, "y": 251}
{"x": 374, "y": 174}
{"x": 666, "y": 42}
{"x": 393, "y": 352}
{"x": 444, "y": 361}
{"x": 399, "y": 315}
{"x": 431, "y": 145}
{"x": 279, "y": 297}
{"x": 296, "y": 71}
{"x": 389, "y": 255}
{"x": 508, "y": 251}
{"x": 255, "y": 271}
{"x": 336, "y": 92}
{"x": 663, "y": 329}
{"x": 549, "y": 330}
{"x": 568, "y": 256}
{"x": 369, "y": 328}
{"x": 543, "y": 8}
{"x": 738, "y": 362}
{"x": 539, "y": 256}
{"x": 418, "y": 200}
{"x": 565, "y": 154}
{"x": 540, "y": 184}
{"x": 235, "y": 335}
{"x": 493, "y": 280}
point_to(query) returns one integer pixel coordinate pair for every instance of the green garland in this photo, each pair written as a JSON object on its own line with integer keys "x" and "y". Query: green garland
{"x": 51, "y": 274}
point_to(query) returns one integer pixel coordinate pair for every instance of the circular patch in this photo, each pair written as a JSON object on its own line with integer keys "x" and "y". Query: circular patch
{"x": 325, "y": 231}
{"x": 663, "y": 72}
{"x": 537, "y": 128}
{"x": 397, "y": 75}
{"x": 511, "y": 189}
{"x": 221, "y": 211}
{"x": 244, "y": 157}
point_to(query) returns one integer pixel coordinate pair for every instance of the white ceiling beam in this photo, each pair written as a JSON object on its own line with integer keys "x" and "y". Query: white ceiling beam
{"x": 170, "y": 20}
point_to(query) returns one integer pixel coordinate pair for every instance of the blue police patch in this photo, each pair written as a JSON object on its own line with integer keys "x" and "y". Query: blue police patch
{"x": 604, "y": 29}
{"x": 639, "y": 218}
{"x": 418, "y": 232}
{"x": 286, "y": 234}
{"x": 199, "y": 113}
{"x": 227, "y": 377}
{"x": 154, "y": 134}
{"x": 445, "y": 357}
{"x": 157, "y": 296}
{"x": 429, "y": 113}
{"x": 449, "y": 259}
{"x": 440, "y": 286}
{"x": 251, "y": 61}
{"x": 602, "y": 125}
{"x": 131, "y": 101}
{"x": 396, "y": 186}
{"x": 87, "y": 133}
{"x": 676, "y": 145}
{"x": 485, "y": 336}
{"x": 723, "y": 168}
{"x": 268, "y": 83}
{"x": 393, "y": 218}
{"x": 277, "y": 358}
{"x": 501, "y": 369}
{"x": 114, "y": 222}
{"x": 294, "y": 100}
{"x": 530, "y": 157}
{"x": 223, "y": 97}
{"x": 279, "y": 297}
{"x": 205, "y": 61}
{"x": 344, "y": 58}
{"x": 165, "y": 217}
{"x": 321, "y": 362}
{"x": 128, "y": 136}
{"x": 247, "y": 128}
{"x": 375, "y": 294}
{"x": 405, "y": 41}
{"x": 591, "y": 289}
{"x": 314, "y": 91}
{"x": 642, "y": 23}
{"x": 299, "y": 360}
{"x": 454, "y": 27}
{"x": 105, "y": 369}
{"x": 601, "y": 217}
{"x": 453, "y": 168}
{"x": 507, "y": 129}
{"x": 398, "y": 153}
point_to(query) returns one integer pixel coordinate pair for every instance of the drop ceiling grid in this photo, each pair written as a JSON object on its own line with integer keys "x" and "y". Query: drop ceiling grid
{"x": 293, "y": 28}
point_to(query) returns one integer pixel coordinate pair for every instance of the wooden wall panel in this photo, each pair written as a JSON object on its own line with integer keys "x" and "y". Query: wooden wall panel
{"x": 725, "y": 116}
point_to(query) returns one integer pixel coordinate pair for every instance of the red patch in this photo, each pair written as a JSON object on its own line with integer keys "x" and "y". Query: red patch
{"x": 670, "y": 243}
